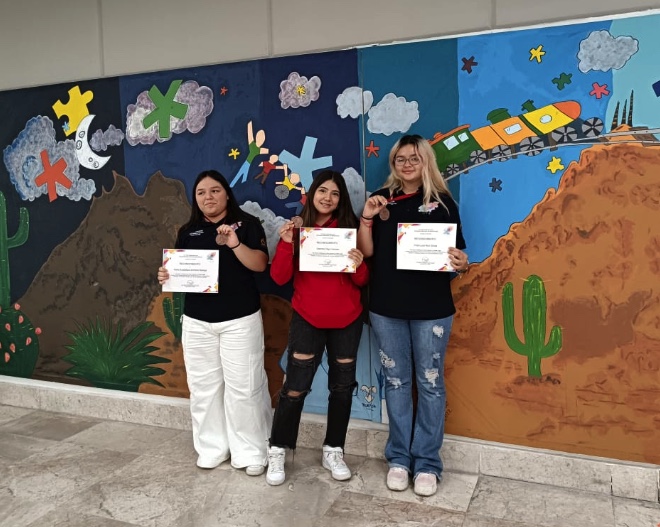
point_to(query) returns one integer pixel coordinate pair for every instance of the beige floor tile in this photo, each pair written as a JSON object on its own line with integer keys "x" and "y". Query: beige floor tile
{"x": 540, "y": 505}
{"x": 46, "y": 425}
{"x": 9, "y": 413}
{"x": 62, "y": 517}
{"x": 57, "y": 473}
{"x": 150, "y": 492}
{"x": 124, "y": 437}
{"x": 454, "y": 491}
{"x": 352, "y": 509}
{"x": 20, "y": 512}
{"x": 16, "y": 447}
{"x": 633, "y": 513}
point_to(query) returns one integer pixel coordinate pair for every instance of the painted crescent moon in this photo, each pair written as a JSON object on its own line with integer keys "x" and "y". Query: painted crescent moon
{"x": 86, "y": 156}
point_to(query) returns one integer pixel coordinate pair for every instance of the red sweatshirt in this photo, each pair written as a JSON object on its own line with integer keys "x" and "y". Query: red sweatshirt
{"x": 325, "y": 300}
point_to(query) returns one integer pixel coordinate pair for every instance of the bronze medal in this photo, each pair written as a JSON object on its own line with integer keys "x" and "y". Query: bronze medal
{"x": 221, "y": 239}
{"x": 297, "y": 222}
{"x": 384, "y": 214}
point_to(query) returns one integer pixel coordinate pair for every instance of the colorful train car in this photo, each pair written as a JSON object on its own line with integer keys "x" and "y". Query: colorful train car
{"x": 506, "y": 136}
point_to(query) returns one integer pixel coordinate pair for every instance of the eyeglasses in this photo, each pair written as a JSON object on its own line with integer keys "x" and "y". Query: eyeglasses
{"x": 413, "y": 160}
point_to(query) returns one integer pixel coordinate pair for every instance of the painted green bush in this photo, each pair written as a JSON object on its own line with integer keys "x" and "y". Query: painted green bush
{"x": 108, "y": 358}
{"x": 173, "y": 311}
{"x": 19, "y": 345}
{"x": 534, "y": 310}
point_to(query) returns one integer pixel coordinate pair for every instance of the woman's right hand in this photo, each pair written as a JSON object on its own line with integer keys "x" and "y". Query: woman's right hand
{"x": 163, "y": 275}
{"x": 286, "y": 232}
{"x": 373, "y": 206}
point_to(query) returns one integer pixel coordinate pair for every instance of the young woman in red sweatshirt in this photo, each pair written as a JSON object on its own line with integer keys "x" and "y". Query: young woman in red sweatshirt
{"x": 327, "y": 314}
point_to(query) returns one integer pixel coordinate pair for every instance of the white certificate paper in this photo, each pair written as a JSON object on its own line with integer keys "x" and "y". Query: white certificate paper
{"x": 326, "y": 250}
{"x": 191, "y": 270}
{"x": 423, "y": 246}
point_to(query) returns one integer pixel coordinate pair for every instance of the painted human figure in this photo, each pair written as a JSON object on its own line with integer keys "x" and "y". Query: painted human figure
{"x": 268, "y": 167}
{"x": 255, "y": 143}
{"x": 298, "y": 205}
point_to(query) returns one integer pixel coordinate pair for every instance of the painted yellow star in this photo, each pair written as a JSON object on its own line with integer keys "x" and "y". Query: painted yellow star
{"x": 234, "y": 153}
{"x": 555, "y": 165}
{"x": 301, "y": 90}
{"x": 536, "y": 53}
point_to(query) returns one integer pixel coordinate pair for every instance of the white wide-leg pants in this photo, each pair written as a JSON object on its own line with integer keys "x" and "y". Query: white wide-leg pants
{"x": 229, "y": 399}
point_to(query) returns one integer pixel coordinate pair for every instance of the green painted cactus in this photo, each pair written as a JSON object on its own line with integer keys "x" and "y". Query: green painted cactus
{"x": 9, "y": 242}
{"x": 534, "y": 325}
{"x": 173, "y": 311}
{"x": 19, "y": 345}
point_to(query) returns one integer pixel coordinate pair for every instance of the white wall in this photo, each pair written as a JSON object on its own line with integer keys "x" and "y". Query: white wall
{"x": 46, "y": 42}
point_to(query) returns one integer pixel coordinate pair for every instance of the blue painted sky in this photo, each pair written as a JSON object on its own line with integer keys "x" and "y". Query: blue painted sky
{"x": 424, "y": 72}
{"x": 506, "y": 78}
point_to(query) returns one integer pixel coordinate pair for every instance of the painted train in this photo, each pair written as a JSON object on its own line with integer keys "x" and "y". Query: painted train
{"x": 506, "y": 136}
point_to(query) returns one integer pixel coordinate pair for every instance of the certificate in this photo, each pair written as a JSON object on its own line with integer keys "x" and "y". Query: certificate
{"x": 326, "y": 250}
{"x": 191, "y": 270}
{"x": 423, "y": 246}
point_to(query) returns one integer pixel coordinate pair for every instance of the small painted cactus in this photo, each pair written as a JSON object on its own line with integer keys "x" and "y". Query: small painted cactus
{"x": 19, "y": 342}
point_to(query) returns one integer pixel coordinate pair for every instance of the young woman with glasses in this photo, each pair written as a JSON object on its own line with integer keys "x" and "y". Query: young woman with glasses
{"x": 411, "y": 312}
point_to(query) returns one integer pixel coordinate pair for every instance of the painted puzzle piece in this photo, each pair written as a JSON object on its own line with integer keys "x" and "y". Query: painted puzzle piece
{"x": 306, "y": 163}
{"x": 166, "y": 106}
{"x": 562, "y": 80}
{"x": 76, "y": 109}
{"x": 52, "y": 175}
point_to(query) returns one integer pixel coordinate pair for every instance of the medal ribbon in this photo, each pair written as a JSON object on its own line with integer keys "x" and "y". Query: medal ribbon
{"x": 391, "y": 201}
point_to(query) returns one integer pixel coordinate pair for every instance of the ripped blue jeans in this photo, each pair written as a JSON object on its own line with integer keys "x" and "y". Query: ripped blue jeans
{"x": 407, "y": 346}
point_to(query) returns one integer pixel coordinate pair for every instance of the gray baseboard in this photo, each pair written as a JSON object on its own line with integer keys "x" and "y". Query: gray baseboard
{"x": 617, "y": 478}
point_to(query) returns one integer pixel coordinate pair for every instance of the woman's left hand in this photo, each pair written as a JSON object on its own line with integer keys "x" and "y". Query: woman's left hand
{"x": 458, "y": 259}
{"x": 357, "y": 256}
{"x": 232, "y": 239}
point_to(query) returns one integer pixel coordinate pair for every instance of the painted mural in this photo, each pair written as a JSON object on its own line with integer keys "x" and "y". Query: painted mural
{"x": 547, "y": 137}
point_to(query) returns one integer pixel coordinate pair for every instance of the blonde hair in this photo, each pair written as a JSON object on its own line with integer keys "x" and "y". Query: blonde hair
{"x": 433, "y": 184}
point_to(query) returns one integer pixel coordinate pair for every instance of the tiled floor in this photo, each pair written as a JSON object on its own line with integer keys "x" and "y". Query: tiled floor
{"x": 60, "y": 470}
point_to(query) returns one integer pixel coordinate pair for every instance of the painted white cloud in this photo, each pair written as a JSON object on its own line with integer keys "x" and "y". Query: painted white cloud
{"x": 356, "y": 189}
{"x": 601, "y": 51}
{"x": 269, "y": 221}
{"x": 392, "y": 114}
{"x": 297, "y": 91}
{"x": 23, "y": 161}
{"x": 199, "y": 100}
{"x": 354, "y": 102}
{"x": 100, "y": 140}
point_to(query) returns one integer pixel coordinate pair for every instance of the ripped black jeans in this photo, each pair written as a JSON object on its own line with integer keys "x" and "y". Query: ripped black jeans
{"x": 307, "y": 340}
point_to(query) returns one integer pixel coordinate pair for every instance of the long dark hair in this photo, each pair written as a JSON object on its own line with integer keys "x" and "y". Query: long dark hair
{"x": 344, "y": 214}
{"x": 234, "y": 212}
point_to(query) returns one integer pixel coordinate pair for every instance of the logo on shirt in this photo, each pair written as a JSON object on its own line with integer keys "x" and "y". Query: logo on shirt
{"x": 428, "y": 208}
{"x": 197, "y": 233}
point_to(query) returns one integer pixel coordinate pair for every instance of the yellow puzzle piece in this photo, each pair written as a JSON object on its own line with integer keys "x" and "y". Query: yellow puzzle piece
{"x": 75, "y": 109}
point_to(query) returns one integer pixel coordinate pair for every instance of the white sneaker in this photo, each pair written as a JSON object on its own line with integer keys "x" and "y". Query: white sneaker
{"x": 255, "y": 470}
{"x": 333, "y": 460}
{"x": 397, "y": 479}
{"x": 275, "y": 474}
{"x": 208, "y": 464}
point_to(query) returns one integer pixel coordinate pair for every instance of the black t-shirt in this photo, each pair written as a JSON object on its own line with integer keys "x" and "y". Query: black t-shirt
{"x": 405, "y": 294}
{"x": 237, "y": 295}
